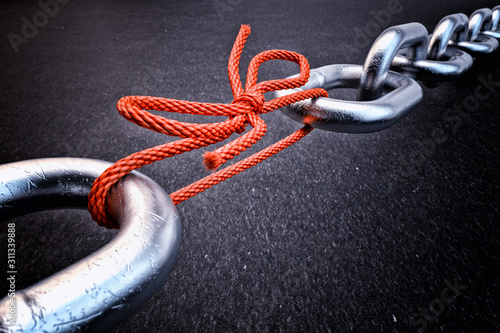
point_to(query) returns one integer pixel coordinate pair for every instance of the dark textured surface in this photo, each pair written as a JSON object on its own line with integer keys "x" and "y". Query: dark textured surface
{"x": 337, "y": 233}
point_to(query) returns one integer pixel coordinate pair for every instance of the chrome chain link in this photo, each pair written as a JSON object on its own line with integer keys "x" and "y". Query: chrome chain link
{"x": 387, "y": 82}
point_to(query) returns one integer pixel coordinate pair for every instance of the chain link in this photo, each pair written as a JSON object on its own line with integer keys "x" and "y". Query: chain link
{"x": 495, "y": 18}
{"x": 399, "y": 57}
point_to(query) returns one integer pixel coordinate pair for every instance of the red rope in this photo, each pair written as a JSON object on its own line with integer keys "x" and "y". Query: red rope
{"x": 245, "y": 109}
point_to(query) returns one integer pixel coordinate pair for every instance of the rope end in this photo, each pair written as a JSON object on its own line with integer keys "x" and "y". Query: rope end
{"x": 245, "y": 27}
{"x": 212, "y": 160}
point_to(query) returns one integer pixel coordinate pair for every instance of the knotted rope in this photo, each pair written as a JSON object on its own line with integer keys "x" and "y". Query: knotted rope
{"x": 245, "y": 109}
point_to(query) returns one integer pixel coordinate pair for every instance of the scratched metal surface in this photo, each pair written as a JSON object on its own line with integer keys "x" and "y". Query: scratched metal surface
{"x": 391, "y": 231}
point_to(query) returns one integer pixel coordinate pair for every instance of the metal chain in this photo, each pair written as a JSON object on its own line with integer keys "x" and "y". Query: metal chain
{"x": 399, "y": 57}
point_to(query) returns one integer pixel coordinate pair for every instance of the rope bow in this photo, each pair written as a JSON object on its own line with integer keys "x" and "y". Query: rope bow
{"x": 245, "y": 109}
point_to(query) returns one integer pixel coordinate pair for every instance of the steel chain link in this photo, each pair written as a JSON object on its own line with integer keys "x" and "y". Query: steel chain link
{"x": 399, "y": 57}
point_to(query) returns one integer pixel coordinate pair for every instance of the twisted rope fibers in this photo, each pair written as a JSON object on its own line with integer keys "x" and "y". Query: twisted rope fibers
{"x": 245, "y": 109}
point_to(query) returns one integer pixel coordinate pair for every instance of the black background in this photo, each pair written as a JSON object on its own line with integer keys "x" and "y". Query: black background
{"x": 339, "y": 232}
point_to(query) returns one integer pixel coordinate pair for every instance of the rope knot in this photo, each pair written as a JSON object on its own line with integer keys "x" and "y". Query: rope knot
{"x": 254, "y": 100}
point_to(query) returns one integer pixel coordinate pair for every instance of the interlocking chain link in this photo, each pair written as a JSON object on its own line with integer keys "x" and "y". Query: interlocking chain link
{"x": 399, "y": 57}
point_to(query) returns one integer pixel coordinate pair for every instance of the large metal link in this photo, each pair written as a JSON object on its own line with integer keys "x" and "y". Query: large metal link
{"x": 451, "y": 28}
{"x": 453, "y": 45}
{"x": 353, "y": 116}
{"x": 379, "y": 59}
{"x": 479, "y": 20}
{"x": 107, "y": 286}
